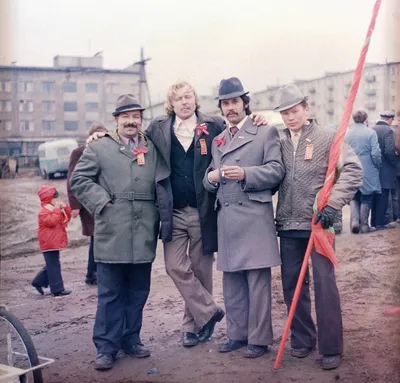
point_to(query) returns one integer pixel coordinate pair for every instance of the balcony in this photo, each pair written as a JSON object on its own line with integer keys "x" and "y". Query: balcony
{"x": 370, "y": 106}
{"x": 330, "y": 87}
{"x": 330, "y": 111}
{"x": 370, "y": 92}
{"x": 312, "y": 90}
{"x": 370, "y": 78}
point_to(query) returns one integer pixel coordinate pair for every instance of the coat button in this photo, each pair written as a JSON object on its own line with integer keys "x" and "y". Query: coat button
{"x": 261, "y": 198}
{"x": 136, "y": 178}
{"x": 237, "y": 159}
{"x": 226, "y": 204}
{"x": 240, "y": 203}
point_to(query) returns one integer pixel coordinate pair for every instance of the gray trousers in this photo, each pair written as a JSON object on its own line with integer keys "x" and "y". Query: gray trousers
{"x": 190, "y": 269}
{"x": 247, "y": 296}
{"x": 327, "y": 300}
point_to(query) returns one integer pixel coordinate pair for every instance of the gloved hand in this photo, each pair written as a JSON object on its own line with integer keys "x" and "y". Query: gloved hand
{"x": 326, "y": 216}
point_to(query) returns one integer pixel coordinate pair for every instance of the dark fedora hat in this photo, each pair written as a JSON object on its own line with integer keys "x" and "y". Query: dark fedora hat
{"x": 230, "y": 88}
{"x": 290, "y": 96}
{"x": 127, "y": 103}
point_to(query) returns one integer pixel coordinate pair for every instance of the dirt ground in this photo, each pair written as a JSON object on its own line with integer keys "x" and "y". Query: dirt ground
{"x": 61, "y": 328}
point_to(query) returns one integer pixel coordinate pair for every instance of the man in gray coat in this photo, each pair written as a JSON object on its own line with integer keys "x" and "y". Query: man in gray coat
{"x": 364, "y": 142}
{"x": 246, "y": 165}
{"x": 115, "y": 179}
{"x": 305, "y": 152}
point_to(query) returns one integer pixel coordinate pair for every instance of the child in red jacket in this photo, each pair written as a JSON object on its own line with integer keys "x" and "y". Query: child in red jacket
{"x": 53, "y": 220}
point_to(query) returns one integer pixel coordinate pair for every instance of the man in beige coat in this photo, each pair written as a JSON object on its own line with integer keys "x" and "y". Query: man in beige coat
{"x": 246, "y": 165}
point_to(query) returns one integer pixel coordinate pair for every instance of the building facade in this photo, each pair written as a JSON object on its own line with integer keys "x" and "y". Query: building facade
{"x": 379, "y": 90}
{"x": 38, "y": 104}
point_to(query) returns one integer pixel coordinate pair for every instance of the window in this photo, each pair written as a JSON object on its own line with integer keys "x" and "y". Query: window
{"x": 26, "y": 126}
{"x": 91, "y": 88}
{"x": 25, "y": 106}
{"x": 48, "y": 126}
{"x": 110, "y": 108}
{"x": 393, "y": 84}
{"x": 5, "y": 106}
{"x": 89, "y": 124}
{"x": 5, "y": 86}
{"x": 112, "y": 87}
{"x": 70, "y": 87}
{"x": 70, "y": 125}
{"x": 26, "y": 86}
{"x": 31, "y": 148}
{"x": 70, "y": 106}
{"x": 48, "y": 86}
{"x": 49, "y": 106}
{"x": 393, "y": 98}
{"x": 5, "y": 125}
{"x": 92, "y": 106}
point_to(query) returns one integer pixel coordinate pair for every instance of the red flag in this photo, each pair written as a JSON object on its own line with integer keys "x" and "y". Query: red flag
{"x": 322, "y": 239}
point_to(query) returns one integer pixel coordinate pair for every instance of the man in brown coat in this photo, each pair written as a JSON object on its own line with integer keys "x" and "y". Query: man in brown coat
{"x": 305, "y": 153}
{"x": 87, "y": 219}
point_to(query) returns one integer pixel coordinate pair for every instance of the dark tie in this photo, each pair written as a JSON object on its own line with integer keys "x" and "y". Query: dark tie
{"x": 131, "y": 144}
{"x": 234, "y": 130}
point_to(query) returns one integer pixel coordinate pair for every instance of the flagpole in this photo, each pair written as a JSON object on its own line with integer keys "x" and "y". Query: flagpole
{"x": 325, "y": 192}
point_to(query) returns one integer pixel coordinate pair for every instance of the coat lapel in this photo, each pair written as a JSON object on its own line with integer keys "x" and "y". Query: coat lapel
{"x": 245, "y": 135}
{"x": 200, "y": 120}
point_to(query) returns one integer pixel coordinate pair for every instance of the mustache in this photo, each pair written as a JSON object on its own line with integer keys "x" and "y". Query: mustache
{"x": 130, "y": 125}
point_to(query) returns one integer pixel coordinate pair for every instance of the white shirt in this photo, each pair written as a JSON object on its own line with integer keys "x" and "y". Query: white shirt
{"x": 184, "y": 130}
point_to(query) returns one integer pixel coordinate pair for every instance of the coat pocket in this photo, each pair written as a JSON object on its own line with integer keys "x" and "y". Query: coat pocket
{"x": 260, "y": 196}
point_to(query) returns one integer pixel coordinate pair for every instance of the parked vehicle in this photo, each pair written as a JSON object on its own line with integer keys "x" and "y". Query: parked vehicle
{"x": 54, "y": 157}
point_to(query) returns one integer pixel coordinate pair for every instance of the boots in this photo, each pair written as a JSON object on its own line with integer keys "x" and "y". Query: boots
{"x": 364, "y": 216}
{"x": 354, "y": 216}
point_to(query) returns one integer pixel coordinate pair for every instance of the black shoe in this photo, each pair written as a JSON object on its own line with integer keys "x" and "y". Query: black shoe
{"x": 137, "y": 351}
{"x": 39, "y": 289}
{"x": 190, "y": 339}
{"x": 91, "y": 281}
{"x": 302, "y": 352}
{"x": 232, "y": 345}
{"x": 104, "y": 362}
{"x": 208, "y": 329}
{"x": 62, "y": 293}
{"x": 330, "y": 362}
{"x": 254, "y": 351}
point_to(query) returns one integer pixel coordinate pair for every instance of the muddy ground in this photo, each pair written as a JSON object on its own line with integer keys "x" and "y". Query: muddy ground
{"x": 61, "y": 328}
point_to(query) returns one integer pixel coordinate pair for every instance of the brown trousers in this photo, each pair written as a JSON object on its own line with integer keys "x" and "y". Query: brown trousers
{"x": 247, "y": 296}
{"x": 190, "y": 269}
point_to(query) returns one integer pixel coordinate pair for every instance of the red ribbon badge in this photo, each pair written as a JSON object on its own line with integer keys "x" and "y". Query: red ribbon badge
{"x": 202, "y": 128}
{"x": 139, "y": 153}
{"x": 220, "y": 142}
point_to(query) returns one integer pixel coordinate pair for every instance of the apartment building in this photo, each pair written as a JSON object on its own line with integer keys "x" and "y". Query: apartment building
{"x": 379, "y": 90}
{"x": 38, "y": 104}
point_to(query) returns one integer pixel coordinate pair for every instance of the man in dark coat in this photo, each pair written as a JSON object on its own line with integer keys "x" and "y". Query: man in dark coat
{"x": 387, "y": 173}
{"x": 305, "y": 152}
{"x": 116, "y": 180}
{"x": 87, "y": 220}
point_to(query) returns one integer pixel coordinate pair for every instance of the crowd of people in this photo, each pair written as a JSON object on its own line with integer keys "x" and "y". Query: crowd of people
{"x": 204, "y": 185}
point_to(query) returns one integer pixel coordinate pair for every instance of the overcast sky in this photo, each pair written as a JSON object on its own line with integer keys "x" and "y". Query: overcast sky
{"x": 263, "y": 42}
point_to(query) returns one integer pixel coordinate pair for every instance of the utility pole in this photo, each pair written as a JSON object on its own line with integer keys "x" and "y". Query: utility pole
{"x": 143, "y": 84}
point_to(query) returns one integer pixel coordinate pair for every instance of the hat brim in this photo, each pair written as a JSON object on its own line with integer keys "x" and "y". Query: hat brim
{"x": 290, "y": 104}
{"x": 116, "y": 113}
{"x": 387, "y": 115}
{"x": 231, "y": 95}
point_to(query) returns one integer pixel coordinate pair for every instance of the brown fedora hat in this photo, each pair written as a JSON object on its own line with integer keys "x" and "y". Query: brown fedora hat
{"x": 127, "y": 103}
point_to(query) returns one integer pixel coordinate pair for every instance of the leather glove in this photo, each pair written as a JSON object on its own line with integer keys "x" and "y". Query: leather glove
{"x": 326, "y": 216}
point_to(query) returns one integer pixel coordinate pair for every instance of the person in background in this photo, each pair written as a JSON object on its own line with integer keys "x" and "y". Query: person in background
{"x": 364, "y": 142}
{"x": 387, "y": 173}
{"x": 87, "y": 219}
{"x": 53, "y": 220}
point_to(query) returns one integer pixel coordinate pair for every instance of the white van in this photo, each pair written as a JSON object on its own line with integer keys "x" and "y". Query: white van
{"x": 54, "y": 157}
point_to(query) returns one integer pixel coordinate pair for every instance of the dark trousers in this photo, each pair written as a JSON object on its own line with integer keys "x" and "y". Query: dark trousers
{"x": 327, "y": 300}
{"x": 398, "y": 196}
{"x": 364, "y": 198}
{"x": 50, "y": 275}
{"x": 122, "y": 293}
{"x": 91, "y": 266}
{"x": 393, "y": 204}
{"x": 380, "y": 204}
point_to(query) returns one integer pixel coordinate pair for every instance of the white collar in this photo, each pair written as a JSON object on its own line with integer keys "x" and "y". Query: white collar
{"x": 240, "y": 124}
{"x": 191, "y": 121}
